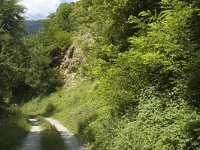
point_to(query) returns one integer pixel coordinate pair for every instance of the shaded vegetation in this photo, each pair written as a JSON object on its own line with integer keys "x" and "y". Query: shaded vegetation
{"x": 27, "y": 68}
{"x": 50, "y": 137}
{"x": 13, "y": 128}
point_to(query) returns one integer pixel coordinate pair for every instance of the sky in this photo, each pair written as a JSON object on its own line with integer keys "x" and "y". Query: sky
{"x": 40, "y": 9}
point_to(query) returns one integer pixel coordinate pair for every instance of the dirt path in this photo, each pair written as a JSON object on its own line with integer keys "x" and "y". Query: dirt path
{"x": 70, "y": 140}
{"x": 32, "y": 142}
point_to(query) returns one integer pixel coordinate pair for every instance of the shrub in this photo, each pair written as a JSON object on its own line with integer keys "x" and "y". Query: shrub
{"x": 160, "y": 124}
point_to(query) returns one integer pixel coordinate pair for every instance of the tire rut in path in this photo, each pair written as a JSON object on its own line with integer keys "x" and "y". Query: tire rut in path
{"x": 32, "y": 141}
{"x": 70, "y": 140}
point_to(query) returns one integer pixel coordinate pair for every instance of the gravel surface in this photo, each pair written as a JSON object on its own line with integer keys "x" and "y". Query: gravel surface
{"x": 32, "y": 142}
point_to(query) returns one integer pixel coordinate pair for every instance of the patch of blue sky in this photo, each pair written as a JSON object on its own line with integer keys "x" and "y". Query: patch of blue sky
{"x": 40, "y": 9}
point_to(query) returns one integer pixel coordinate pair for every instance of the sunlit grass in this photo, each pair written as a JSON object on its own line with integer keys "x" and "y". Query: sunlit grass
{"x": 77, "y": 108}
{"x": 64, "y": 105}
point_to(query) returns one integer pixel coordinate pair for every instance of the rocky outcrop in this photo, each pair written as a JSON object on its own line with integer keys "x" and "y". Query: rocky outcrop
{"x": 72, "y": 60}
{"x": 75, "y": 56}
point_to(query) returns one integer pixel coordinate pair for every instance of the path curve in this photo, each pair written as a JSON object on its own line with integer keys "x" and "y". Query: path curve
{"x": 70, "y": 140}
{"x": 32, "y": 141}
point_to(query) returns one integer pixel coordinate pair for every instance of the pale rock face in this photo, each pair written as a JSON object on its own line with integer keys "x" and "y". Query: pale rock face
{"x": 75, "y": 56}
{"x": 71, "y": 61}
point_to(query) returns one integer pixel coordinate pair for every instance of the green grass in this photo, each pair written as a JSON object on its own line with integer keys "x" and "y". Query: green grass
{"x": 79, "y": 109}
{"x": 50, "y": 137}
{"x": 85, "y": 112}
{"x": 66, "y": 105}
{"x": 13, "y": 129}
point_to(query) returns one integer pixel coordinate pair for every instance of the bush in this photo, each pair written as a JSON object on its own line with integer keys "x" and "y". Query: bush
{"x": 161, "y": 123}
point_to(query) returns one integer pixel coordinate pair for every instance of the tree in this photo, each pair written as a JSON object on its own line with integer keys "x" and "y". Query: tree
{"x": 11, "y": 19}
{"x": 42, "y": 77}
{"x": 13, "y": 54}
{"x": 159, "y": 55}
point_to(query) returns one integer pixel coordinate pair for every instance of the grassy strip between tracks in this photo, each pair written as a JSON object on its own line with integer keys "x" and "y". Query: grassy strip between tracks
{"x": 50, "y": 138}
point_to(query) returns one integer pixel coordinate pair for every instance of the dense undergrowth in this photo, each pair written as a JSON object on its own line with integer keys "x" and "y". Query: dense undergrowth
{"x": 13, "y": 128}
{"x": 154, "y": 125}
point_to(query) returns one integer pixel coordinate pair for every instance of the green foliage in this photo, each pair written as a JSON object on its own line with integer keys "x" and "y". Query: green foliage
{"x": 143, "y": 59}
{"x": 28, "y": 66}
{"x": 159, "y": 56}
{"x": 13, "y": 128}
{"x": 13, "y": 54}
{"x": 43, "y": 76}
{"x": 56, "y": 34}
{"x": 161, "y": 122}
{"x": 47, "y": 49}
{"x": 10, "y": 17}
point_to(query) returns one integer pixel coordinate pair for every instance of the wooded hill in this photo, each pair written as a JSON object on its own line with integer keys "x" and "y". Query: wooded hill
{"x": 32, "y": 26}
{"x": 136, "y": 70}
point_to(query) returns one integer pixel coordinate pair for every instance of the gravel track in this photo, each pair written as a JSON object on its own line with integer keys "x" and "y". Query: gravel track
{"x": 71, "y": 142}
{"x": 32, "y": 141}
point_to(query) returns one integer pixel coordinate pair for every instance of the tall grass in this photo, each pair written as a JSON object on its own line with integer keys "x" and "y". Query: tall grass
{"x": 51, "y": 138}
{"x": 13, "y": 129}
{"x": 66, "y": 105}
{"x": 80, "y": 109}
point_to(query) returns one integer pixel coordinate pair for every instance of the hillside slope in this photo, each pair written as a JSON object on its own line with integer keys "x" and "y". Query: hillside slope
{"x": 32, "y": 27}
{"x": 132, "y": 76}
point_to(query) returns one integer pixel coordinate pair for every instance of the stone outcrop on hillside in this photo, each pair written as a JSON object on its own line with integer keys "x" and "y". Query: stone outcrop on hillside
{"x": 75, "y": 56}
{"x": 72, "y": 60}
